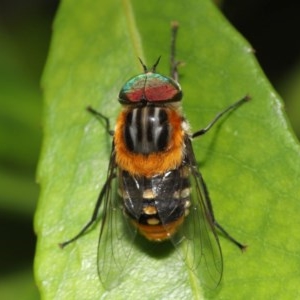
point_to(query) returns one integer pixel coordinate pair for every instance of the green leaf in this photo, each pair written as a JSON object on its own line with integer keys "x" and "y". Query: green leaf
{"x": 250, "y": 162}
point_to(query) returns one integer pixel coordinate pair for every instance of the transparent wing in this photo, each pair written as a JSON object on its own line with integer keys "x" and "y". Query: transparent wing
{"x": 116, "y": 235}
{"x": 197, "y": 240}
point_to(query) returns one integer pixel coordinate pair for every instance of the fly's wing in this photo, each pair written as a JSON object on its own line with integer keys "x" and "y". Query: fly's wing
{"x": 197, "y": 239}
{"x": 116, "y": 237}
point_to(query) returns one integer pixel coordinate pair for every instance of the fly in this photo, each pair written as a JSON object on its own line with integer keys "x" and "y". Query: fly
{"x": 161, "y": 193}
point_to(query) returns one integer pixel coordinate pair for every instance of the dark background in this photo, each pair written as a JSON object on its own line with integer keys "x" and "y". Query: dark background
{"x": 272, "y": 27}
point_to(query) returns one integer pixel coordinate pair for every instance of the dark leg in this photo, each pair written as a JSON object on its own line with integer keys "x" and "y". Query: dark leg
{"x": 228, "y": 236}
{"x": 214, "y": 221}
{"x": 173, "y": 62}
{"x": 94, "y": 215}
{"x": 220, "y": 114}
{"x": 99, "y": 116}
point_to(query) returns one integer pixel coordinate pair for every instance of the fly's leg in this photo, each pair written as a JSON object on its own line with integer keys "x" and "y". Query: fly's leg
{"x": 104, "y": 188}
{"x": 173, "y": 63}
{"x": 220, "y": 114}
{"x": 174, "y": 74}
{"x": 94, "y": 215}
{"x": 100, "y": 116}
{"x": 208, "y": 201}
{"x": 214, "y": 221}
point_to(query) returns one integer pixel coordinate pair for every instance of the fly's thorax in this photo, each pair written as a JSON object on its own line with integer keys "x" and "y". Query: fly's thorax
{"x": 157, "y": 205}
{"x": 147, "y": 130}
{"x": 149, "y": 140}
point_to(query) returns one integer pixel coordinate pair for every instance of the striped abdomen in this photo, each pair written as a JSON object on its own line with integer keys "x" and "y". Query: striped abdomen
{"x": 158, "y": 205}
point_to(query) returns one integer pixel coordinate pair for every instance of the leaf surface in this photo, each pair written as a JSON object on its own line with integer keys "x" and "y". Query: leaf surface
{"x": 250, "y": 160}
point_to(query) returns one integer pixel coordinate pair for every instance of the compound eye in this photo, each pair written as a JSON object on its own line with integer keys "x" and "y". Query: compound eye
{"x": 150, "y": 87}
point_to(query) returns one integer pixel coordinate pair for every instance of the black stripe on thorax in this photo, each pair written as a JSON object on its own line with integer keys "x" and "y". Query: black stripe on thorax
{"x": 147, "y": 130}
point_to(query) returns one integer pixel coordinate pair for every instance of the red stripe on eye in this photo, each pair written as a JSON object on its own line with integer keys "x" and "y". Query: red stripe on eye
{"x": 162, "y": 92}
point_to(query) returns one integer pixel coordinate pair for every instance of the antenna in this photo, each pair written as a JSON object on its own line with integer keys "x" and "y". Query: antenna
{"x": 144, "y": 66}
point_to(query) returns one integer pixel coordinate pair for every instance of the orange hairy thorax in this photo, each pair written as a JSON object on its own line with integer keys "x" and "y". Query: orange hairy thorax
{"x": 154, "y": 163}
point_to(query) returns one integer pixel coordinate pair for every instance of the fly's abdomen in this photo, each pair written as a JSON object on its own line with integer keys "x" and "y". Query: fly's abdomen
{"x": 157, "y": 206}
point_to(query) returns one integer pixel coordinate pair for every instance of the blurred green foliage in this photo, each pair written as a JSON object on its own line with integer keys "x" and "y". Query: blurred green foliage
{"x": 25, "y": 28}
